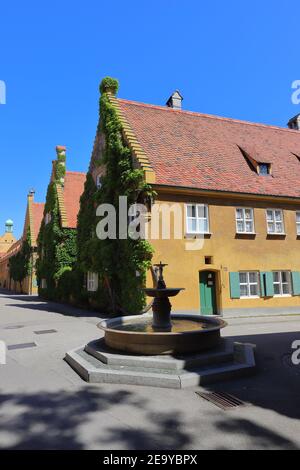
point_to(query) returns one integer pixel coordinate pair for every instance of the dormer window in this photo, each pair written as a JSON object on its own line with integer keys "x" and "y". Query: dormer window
{"x": 253, "y": 158}
{"x": 264, "y": 169}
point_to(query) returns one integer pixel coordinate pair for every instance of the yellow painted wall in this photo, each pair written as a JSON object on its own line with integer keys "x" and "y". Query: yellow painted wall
{"x": 6, "y": 241}
{"x": 4, "y": 274}
{"x": 28, "y": 285}
{"x": 230, "y": 252}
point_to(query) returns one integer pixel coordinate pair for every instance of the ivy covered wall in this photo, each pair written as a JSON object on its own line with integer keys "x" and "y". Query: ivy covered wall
{"x": 57, "y": 246}
{"x": 121, "y": 263}
{"x": 21, "y": 264}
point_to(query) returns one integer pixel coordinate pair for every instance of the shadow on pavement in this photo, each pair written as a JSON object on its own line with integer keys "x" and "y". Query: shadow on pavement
{"x": 36, "y": 303}
{"x": 70, "y": 420}
{"x": 54, "y": 420}
{"x": 276, "y": 384}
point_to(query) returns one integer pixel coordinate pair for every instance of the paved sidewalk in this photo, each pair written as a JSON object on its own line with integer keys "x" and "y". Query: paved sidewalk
{"x": 45, "y": 405}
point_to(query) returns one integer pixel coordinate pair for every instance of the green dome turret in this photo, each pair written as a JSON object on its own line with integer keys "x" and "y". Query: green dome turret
{"x": 9, "y": 226}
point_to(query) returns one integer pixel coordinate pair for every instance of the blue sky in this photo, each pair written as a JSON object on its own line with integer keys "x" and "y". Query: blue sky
{"x": 233, "y": 58}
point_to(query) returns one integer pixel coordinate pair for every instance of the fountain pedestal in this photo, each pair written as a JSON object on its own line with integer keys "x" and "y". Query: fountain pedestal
{"x": 161, "y": 307}
{"x": 162, "y": 314}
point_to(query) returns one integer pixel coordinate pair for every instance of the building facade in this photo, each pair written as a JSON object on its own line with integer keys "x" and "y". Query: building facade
{"x": 28, "y": 283}
{"x": 57, "y": 238}
{"x": 236, "y": 187}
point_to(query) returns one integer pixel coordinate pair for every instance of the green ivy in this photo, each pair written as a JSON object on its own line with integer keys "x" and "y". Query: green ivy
{"x": 60, "y": 165}
{"x": 20, "y": 265}
{"x": 117, "y": 261}
{"x": 57, "y": 246}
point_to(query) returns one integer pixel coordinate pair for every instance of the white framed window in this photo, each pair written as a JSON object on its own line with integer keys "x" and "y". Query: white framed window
{"x": 282, "y": 283}
{"x": 275, "y": 225}
{"x": 47, "y": 218}
{"x": 99, "y": 181}
{"x": 92, "y": 282}
{"x": 197, "y": 218}
{"x": 298, "y": 222}
{"x": 244, "y": 220}
{"x": 249, "y": 285}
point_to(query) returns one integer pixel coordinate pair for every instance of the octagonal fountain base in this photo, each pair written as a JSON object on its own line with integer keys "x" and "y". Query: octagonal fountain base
{"x": 98, "y": 363}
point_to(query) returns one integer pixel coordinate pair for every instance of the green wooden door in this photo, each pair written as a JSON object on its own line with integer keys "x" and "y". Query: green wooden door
{"x": 208, "y": 303}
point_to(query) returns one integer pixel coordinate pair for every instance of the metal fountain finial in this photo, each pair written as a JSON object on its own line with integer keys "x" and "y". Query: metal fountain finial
{"x": 161, "y": 282}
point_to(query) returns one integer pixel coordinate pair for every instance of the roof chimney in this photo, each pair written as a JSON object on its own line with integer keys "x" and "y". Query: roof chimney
{"x": 294, "y": 123}
{"x": 59, "y": 165}
{"x": 175, "y": 100}
{"x": 31, "y": 193}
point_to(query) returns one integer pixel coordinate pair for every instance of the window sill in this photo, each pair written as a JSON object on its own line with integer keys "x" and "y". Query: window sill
{"x": 198, "y": 235}
{"x": 282, "y": 295}
{"x": 283, "y": 234}
{"x": 244, "y": 235}
{"x": 274, "y": 236}
{"x": 246, "y": 297}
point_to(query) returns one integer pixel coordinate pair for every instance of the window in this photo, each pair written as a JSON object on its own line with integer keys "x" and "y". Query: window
{"x": 98, "y": 181}
{"x": 208, "y": 259}
{"x": 43, "y": 284}
{"x": 244, "y": 220}
{"x": 249, "y": 286}
{"x": 264, "y": 169}
{"x": 47, "y": 218}
{"x": 92, "y": 282}
{"x": 197, "y": 218}
{"x": 298, "y": 222}
{"x": 275, "y": 224}
{"x": 282, "y": 282}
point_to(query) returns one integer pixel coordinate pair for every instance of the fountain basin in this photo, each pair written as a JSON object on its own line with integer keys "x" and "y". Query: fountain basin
{"x": 189, "y": 334}
{"x": 165, "y": 292}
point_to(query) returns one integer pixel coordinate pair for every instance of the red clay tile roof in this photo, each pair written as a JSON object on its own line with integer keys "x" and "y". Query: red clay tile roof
{"x": 13, "y": 250}
{"x": 37, "y": 215}
{"x": 202, "y": 151}
{"x": 73, "y": 189}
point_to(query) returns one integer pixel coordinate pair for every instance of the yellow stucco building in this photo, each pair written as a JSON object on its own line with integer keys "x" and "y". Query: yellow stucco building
{"x": 234, "y": 187}
{"x": 33, "y": 218}
{"x": 8, "y": 238}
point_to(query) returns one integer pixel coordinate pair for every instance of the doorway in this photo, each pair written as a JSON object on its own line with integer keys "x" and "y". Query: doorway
{"x": 207, "y": 287}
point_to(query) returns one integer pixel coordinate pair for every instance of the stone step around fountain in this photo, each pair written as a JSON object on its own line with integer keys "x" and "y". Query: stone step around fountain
{"x": 95, "y": 363}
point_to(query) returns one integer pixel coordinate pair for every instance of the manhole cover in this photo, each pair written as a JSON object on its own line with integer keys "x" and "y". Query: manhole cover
{"x": 222, "y": 400}
{"x": 10, "y": 347}
{"x": 13, "y": 327}
{"x": 45, "y": 332}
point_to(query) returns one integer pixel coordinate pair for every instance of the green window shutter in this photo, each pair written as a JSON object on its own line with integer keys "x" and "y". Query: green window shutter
{"x": 269, "y": 284}
{"x": 262, "y": 284}
{"x": 296, "y": 283}
{"x": 234, "y": 285}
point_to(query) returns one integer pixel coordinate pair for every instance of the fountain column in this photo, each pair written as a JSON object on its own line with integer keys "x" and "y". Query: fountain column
{"x": 161, "y": 306}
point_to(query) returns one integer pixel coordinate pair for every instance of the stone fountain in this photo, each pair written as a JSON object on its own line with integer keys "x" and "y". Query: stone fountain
{"x": 162, "y": 349}
{"x": 163, "y": 332}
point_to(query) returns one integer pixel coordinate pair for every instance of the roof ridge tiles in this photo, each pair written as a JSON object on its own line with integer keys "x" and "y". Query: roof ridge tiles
{"x": 208, "y": 116}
